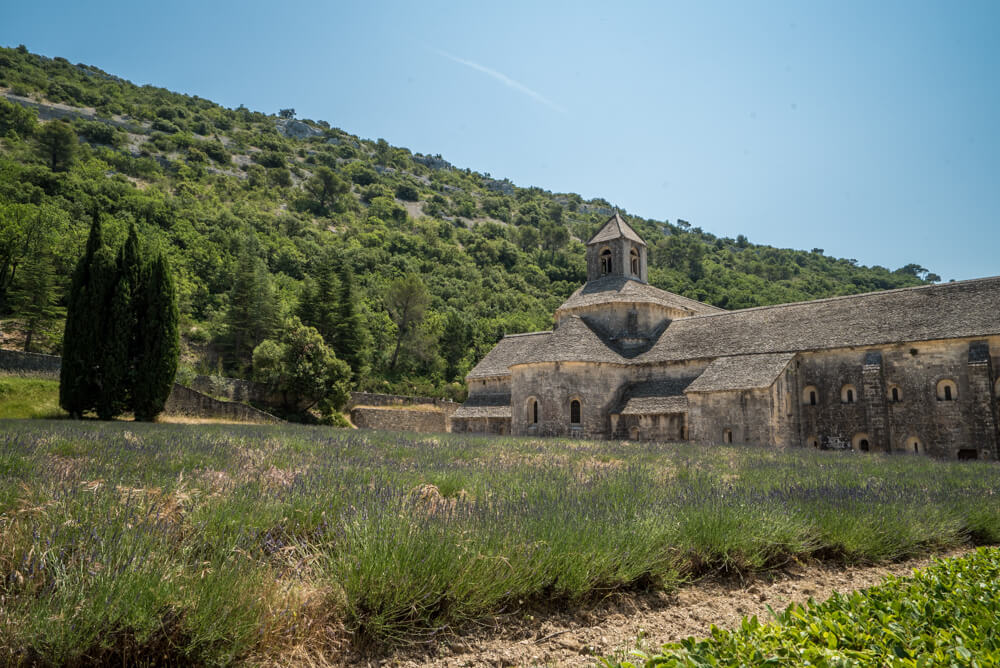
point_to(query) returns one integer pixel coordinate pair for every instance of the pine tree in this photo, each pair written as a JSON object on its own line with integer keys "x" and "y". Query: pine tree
{"x": 319, "y": 303}
{"x": 253, "y": 308}
{"x": 34, "y": 298}
{"x": 158, "y": 345}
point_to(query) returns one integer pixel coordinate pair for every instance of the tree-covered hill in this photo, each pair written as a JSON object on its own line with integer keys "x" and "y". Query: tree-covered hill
{"x": 409, "y": 267}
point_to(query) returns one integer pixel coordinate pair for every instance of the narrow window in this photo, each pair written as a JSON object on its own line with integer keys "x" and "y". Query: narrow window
{"x": 895, "y": 394}
{"x": 863, "y": 445}
{"x": 534, "y": 412}
{"x": 812, "y": 398}
{"x": 574, "y": 411}
{"x": 947, "y": 392}
{"x": 850, "y": 396}
{"x": 635, "y": 262}
{"x": 606, "y": 261}
{"x": 727, "y": 436}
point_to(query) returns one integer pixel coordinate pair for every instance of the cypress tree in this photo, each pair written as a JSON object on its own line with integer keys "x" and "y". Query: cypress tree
{"x": 158, "y": 345}
{"x": 86, "y": 324}
{"x": 120, "y": 350}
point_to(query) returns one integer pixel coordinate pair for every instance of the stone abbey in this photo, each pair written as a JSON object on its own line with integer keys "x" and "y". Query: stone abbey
{"x": 908, "y": 371}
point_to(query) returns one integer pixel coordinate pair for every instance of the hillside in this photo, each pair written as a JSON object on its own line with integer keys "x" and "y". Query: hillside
{"x": 267, "y": 216}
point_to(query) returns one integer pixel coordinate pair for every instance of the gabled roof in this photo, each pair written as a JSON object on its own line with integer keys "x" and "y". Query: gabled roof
{"x": 619, "y": 289}
{"x": 510, "y": 349}
{"x": 925, "y": 313}
{"x": 746, "y": 372}
{"x": 615, "y": 228}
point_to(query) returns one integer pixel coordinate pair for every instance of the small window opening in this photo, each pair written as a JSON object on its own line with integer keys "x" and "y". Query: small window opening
{"x": 947, "y": 390}
{"x": 914, "y": 445}
{"x": 635, "y": 261}
{"x": 574, "y": 411}
{"x": 727, "y": 436}
{"x": 850, "y": 396}
{"x": 534, "y": 412}
{"x": 947, "y": 393}
{"x": 863, "y": 445}
{"x": 895, "y": 394}
{"x": 606, "y": 261}
{"x": 812, "y": 398}
{"x": 847, "y": 394}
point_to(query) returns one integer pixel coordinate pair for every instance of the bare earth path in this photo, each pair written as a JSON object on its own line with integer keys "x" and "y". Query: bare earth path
{"x": 620, "y": 623}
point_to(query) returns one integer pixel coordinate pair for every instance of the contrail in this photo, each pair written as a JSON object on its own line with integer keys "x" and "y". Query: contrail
{"x": 504, "y": 79}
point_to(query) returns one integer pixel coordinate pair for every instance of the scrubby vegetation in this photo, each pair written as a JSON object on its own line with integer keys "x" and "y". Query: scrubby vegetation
{"x": 265, "y": 217}
{"x": 945, "y": 615}
{"x": 246, "y": 543}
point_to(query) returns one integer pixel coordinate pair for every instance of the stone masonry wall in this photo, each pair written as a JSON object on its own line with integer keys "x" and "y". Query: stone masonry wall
{"x": 29, "y": 364}
{"x": 185, "y": 401}
{"x": 385, "y": 418}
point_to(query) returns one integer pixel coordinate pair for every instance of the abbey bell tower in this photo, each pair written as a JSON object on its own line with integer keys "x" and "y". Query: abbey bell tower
{"x": 616, "y": 250}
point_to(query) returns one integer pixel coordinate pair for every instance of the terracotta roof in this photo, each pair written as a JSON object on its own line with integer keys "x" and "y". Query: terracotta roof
{"x": 949, "y": 310}
{"x": 655, "y": 397}
{"x": 745, "y": 372}
{"x": 511, "y": 348}
{"x": 615, "y": 228}
{"x": 618, "y": 289}
{"x": 493, "y": 405}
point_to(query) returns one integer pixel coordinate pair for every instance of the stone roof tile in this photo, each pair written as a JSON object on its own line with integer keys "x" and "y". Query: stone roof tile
{"x": 950, "y": 310}
{"x": 615, "y": 228}
{"x": 618, "y": 290}
{"x": 655, "y": 397}
{"x": 745, "y": 372}
{"x": 510, "y": 349}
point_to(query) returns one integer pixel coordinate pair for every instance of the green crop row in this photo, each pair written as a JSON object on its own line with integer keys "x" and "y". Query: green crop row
{"x": 945, "y": 615}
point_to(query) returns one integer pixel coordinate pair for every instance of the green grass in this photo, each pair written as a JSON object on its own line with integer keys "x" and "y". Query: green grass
{"x": 944, "y": 615}
{"x": 216, "y": 544}
{"x": 23, "y": 397}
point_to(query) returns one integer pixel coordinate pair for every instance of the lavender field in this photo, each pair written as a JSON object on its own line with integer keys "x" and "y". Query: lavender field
{"x": 148, "y": 543}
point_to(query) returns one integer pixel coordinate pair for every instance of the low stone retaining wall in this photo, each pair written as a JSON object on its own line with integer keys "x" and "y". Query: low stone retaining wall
{"x": 387, "y": 418}
{"x": 29, "y": 364}
{"x": 185, "y": 401}
{"x": 388, "y": 411}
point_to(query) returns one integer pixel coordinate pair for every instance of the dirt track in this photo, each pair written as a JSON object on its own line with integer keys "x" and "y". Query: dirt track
{"x": 623, "y": 622}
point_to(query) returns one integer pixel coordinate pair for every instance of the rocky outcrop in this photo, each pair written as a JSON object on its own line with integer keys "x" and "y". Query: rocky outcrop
{"x": 290, "y": 127}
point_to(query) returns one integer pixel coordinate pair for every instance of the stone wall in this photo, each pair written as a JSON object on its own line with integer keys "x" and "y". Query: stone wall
{"x": 914, "y": 418}
{"x": 390, "y": 418}
{"x": 29, "y": 364}
{"x": 741, "y": 416}
{"x": 185, "y": 401}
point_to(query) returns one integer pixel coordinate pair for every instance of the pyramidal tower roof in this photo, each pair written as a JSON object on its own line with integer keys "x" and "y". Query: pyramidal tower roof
{"x": 615, "y": 228}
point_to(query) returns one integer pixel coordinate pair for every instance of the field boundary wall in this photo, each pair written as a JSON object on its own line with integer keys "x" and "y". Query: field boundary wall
{"x": 388, "y": 412}
{"x": 30, "y": 364}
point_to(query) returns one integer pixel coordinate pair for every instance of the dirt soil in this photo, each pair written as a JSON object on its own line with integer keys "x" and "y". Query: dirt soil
{"x": 623, "y": 622}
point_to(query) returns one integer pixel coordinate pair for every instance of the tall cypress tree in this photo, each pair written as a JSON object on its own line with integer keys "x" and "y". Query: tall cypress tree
{"x": 158, "y": 345}
{"x": 86, "y": 324}
{"x": 120, "y": 349}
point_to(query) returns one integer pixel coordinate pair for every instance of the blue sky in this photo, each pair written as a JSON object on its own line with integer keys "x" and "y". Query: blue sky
{"x": 866, "y": 129}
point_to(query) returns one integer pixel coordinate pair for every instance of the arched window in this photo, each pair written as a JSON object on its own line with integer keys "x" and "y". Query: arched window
{"x": 727, "y": 436}
{"x": 812, "y": 442}
{"x": 574, "y": 411}
{"x": 634, "y": 256}
{"x": 947, "y": 390}
{"x": 809, "y": 395}
{"x": 848, "y": 394}
{"x": 914, "y": 445}
{"x": 532, "y": 410}
{"x": 861, "y": 442}
{"x": 895, "y": 394}
{"x": 606, "y": 261}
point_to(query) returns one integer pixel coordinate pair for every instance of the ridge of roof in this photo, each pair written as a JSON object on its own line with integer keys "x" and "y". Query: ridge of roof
{"x": 859, "y": 295}
{"x": 621, "y": 289}
{"x": 511, "y": 336}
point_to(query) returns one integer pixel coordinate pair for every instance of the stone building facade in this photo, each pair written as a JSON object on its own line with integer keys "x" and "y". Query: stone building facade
{"x": 912, "y": 370}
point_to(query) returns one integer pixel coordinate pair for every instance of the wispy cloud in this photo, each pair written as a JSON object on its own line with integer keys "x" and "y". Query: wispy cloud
{"x": 504, "y": 79}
